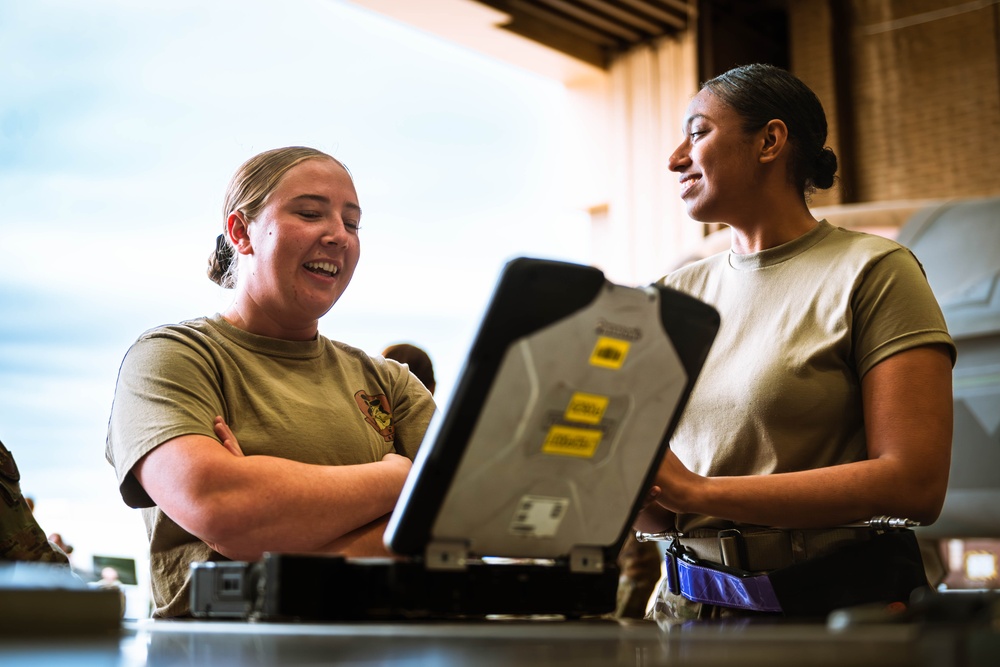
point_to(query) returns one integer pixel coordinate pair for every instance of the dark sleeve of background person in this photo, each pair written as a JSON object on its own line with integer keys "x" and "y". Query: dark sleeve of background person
{"x": 21, "y": 538}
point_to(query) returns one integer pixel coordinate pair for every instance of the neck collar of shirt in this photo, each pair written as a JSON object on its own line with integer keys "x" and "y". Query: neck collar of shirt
{"x": 781, "y": 253}
{"x": 299, "y": 349}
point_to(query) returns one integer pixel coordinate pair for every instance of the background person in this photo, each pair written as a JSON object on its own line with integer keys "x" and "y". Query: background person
{"x": 21, "y": 538}
{"x": 248, "y": 431}
{"x": 416, "y": 358}
{"x": 826, "y": 398}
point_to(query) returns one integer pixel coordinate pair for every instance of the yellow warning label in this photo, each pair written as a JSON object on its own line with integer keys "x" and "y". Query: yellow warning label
{"x": 586, "y": 408}
{"x": 571, "y": 441}
{"x": 609, "y": 353}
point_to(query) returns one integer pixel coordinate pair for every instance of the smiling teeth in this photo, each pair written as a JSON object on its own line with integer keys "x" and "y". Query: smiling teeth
{"x": 326, "y": 267}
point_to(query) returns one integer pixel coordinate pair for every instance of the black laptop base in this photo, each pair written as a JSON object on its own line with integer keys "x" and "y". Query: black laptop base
{"x": 299, "y": 587}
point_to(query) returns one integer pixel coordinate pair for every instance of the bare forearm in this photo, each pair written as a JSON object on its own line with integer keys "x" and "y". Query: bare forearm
{"x": 815, "y": 498}
{"x": 243, "y": 506}
{"x": 908, "y": 427}
{"x": 275, "y": 504}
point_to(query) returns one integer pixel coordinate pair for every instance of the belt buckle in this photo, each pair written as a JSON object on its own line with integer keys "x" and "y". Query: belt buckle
{"x": 673, "y": 551}
{"x": 733, "y": 548}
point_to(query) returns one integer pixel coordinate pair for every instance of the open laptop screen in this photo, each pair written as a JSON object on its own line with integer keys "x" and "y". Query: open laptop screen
{"x": 562, "y": 411}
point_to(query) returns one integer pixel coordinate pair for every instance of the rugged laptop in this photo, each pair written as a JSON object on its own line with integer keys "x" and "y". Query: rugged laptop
{"x": 524, "y": 490}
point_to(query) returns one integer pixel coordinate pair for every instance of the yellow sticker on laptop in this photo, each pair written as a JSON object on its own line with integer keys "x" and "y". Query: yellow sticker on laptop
{"x": 572, "y": 441}
{"x": 609, "y": 352}
{"x": 586, "y": 408}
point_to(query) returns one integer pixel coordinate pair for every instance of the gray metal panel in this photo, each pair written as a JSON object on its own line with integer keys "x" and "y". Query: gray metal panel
{"x": 958, "y": 244}
{"x": 508, "y": 479}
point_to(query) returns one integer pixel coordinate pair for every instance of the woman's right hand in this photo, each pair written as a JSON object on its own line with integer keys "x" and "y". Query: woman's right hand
{"x": 226, "y": 435}
{"x": 676, "y": 486}
{"x": 653, "y": 517}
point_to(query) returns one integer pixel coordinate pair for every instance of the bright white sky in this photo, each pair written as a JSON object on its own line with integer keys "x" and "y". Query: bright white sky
{"x": 120, "y": 125}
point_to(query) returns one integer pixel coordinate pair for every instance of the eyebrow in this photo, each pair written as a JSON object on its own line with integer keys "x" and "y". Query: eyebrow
{"x": 324, "y": 200}
{"x": 690, "y": 119}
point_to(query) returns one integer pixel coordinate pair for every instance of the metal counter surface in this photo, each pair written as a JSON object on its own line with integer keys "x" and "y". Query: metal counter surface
{"x": 510, "y": 642}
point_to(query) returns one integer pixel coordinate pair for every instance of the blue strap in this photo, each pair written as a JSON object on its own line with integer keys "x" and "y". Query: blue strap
{"x": 711, "y": 586}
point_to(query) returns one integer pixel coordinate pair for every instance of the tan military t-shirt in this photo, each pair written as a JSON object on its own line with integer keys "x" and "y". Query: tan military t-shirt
{"x": 319, "y": 402}
{"x": 801, "y": 324}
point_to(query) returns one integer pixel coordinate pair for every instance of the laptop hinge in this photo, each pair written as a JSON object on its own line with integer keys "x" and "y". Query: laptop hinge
{"x": 447, "y": 556}
{"x": 589, "y": 560}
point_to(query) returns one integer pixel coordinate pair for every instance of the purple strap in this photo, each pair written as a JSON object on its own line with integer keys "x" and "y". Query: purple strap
{"x": 704, "y": 584}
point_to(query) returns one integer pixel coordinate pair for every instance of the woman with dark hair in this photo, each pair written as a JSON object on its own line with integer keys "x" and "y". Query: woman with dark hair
{"x": 249, "y": 431}
{"x": 826, "y": 399}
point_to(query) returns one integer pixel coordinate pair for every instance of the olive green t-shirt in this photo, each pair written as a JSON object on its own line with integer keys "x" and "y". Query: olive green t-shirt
{"x": 320, "y": 402}
{"x": 801, "y": 324}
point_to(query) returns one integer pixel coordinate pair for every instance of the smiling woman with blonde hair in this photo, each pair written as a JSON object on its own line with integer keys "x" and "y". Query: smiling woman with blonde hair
{"x": 249, "y": 431}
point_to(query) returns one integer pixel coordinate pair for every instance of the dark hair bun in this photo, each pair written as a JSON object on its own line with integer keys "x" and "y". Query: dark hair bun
{"x": 825, "y": 167}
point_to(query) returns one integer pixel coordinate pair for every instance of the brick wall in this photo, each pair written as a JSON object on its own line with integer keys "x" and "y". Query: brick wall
{"x": 924, "y": 93}
{"x": 810, "y": 53}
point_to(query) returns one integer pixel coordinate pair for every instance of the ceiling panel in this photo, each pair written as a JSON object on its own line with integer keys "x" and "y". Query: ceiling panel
{"x": 594, "y": 31}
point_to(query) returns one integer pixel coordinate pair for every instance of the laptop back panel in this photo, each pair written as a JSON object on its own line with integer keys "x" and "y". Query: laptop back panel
{"x": 558, "y": 421}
